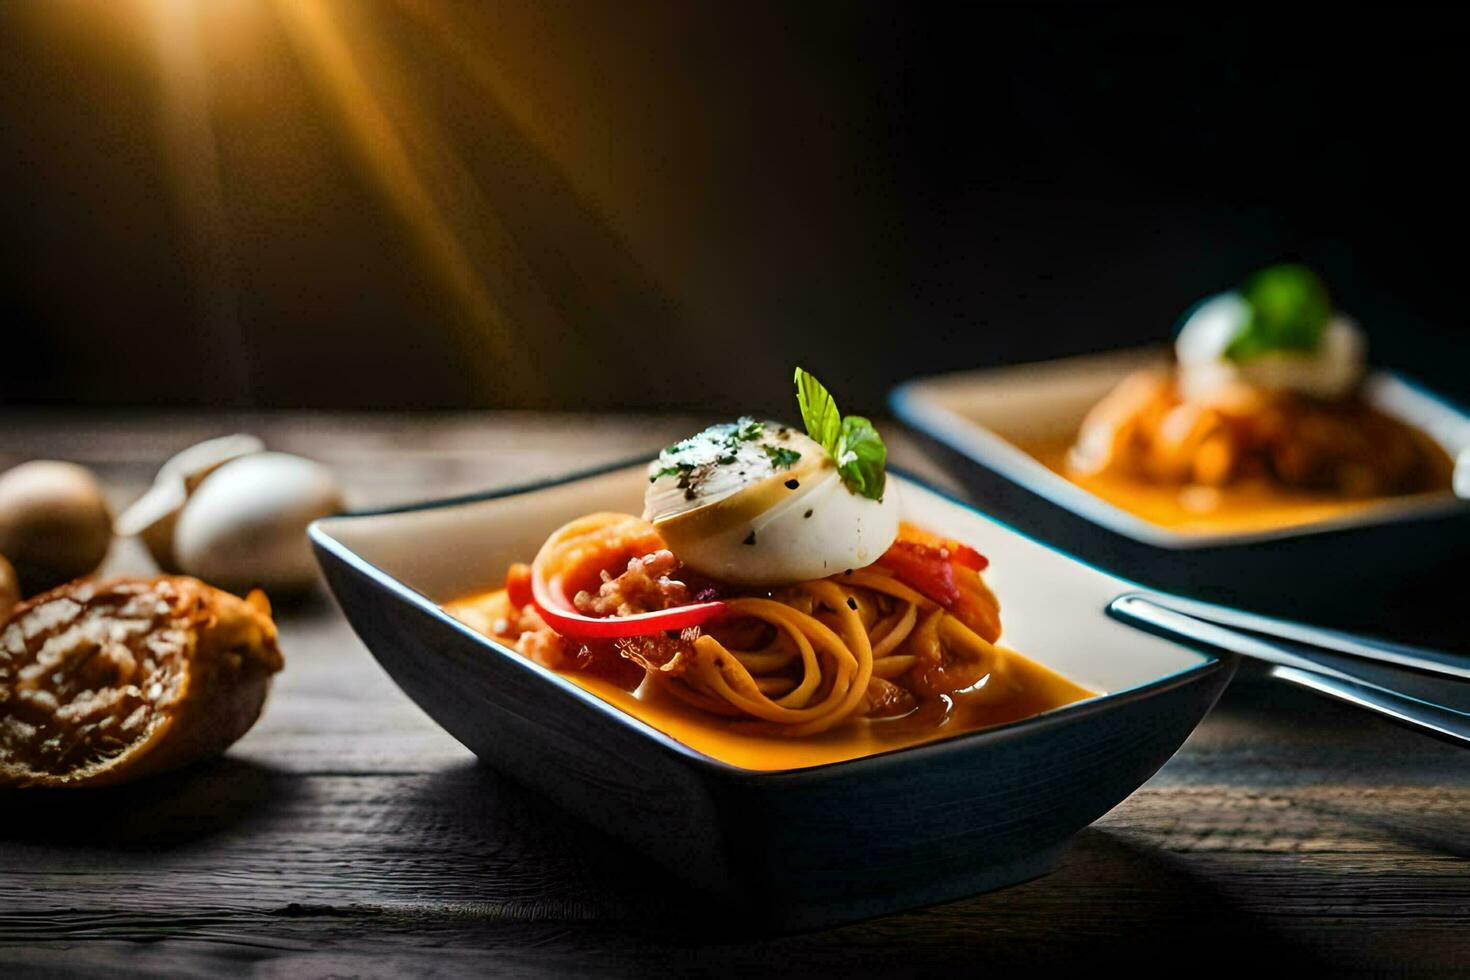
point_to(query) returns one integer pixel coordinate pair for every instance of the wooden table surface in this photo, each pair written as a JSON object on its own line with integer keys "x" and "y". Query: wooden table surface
{"x": 347, "y": 835}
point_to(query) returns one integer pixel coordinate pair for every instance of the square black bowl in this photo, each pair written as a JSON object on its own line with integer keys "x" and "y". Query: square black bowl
{"x": 795, "y": 848}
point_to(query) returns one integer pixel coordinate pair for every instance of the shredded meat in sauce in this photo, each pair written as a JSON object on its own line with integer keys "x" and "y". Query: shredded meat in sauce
{"x": 524, "y": 628}
{"x": 644, "y": 587}
{"x": 663, "y": 652}
{"x": 1145, "y": 428}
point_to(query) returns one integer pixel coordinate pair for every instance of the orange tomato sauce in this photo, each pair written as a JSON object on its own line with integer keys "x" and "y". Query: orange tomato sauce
{"x": 1016, "y": 688}
{"x": 1238, "y": 508}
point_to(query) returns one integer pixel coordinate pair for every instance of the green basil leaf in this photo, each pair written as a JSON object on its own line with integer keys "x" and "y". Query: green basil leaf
{"x": 818, "y": 411}
{"x": 1289, "y": 310}
{"x": 748, "y": 429}
{"x": 861, "y": 457}
{"x": 781, "y": 458}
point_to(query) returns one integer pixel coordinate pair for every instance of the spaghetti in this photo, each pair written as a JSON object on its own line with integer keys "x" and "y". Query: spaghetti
{"x": 771, "y": 593}
{"x": 793, "y": 660}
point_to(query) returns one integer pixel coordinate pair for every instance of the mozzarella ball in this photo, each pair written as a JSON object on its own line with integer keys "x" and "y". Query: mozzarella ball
{"x": 1206, "y": 374}
{"x": 767, "y": 510}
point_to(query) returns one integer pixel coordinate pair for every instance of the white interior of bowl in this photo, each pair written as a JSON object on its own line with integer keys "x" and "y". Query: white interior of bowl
{"x": 985, "y": 414}
{"x": 1052, "y": 606}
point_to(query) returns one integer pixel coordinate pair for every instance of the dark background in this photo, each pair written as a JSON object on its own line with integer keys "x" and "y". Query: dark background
{"x": 419, "y": 204}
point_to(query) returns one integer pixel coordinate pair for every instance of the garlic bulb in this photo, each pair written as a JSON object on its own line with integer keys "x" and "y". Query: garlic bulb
{"x": 245, "y": 525}
{"x": 152, "y": 516}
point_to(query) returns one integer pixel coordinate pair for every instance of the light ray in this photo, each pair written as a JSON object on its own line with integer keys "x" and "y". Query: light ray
{"x": 399, "y": 170}
{"x": 193, "y": 154}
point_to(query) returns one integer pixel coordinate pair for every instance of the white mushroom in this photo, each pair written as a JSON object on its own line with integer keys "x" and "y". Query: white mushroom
{"x": 152, "y": 516}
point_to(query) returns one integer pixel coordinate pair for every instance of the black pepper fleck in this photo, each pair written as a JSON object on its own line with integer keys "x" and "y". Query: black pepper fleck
{"x": 749, "y": 538}
{"x": 807, "y": 514}
{"x": 792, "y": 484}
{"x": 852, "y": 603}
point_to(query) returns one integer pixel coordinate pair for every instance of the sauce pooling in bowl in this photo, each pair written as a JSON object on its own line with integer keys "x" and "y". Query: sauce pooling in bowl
{"x": 1014, "y": 689}
{"x": 769, "y": 608}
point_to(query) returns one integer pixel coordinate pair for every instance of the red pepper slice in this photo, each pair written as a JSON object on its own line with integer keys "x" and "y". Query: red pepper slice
{"x": 926, "y": 569}
{"x": 551, "y": 602}
{"x": 967, "y": 557}
{"x": 518, "y": 585}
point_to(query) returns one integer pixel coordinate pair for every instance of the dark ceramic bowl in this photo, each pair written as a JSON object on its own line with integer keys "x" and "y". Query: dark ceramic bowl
{"x": 796, "y": 848}
{"x": 981, "y": 419}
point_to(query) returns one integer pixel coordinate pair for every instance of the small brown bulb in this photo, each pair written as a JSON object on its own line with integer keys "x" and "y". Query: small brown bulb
{"x": 9, "y": 589}
{"x": 54, "y": 523}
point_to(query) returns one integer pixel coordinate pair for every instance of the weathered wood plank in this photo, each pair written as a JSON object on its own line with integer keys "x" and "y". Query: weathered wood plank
{"x": 347, "y": 834}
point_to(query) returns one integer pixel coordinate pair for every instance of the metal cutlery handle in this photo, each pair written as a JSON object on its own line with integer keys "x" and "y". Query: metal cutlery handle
{"x": 1315, "y": 637}
{"x": 1408, "y": 686}
{"x": 1435, "y": 720}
